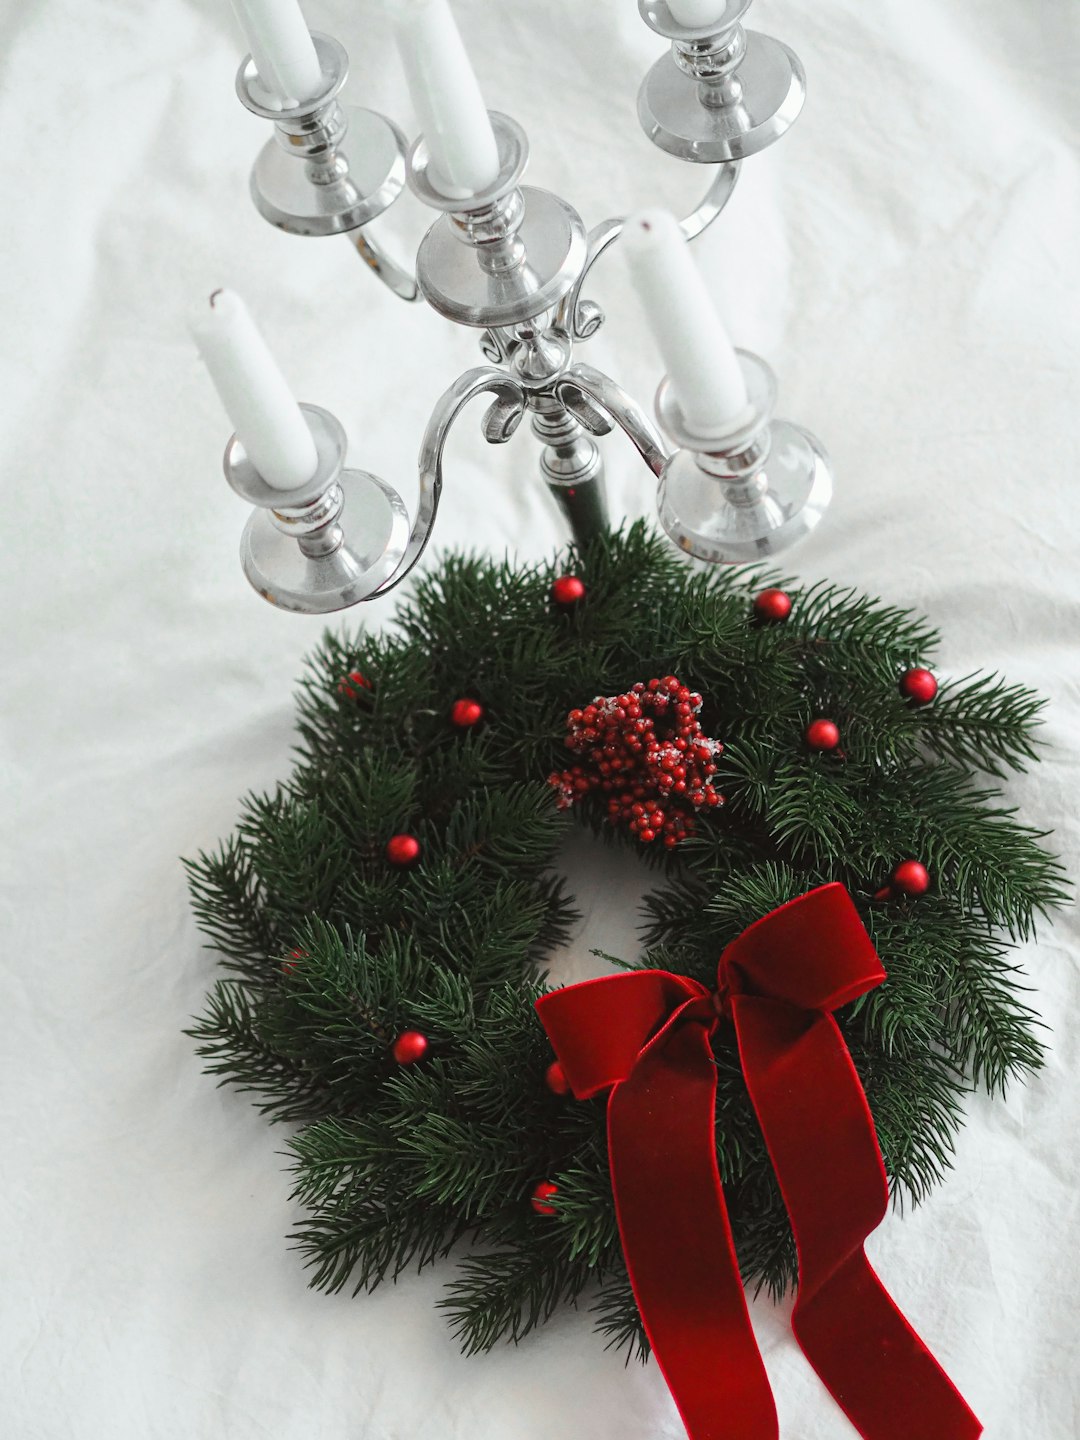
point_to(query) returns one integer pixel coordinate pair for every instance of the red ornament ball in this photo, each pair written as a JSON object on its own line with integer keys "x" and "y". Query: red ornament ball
{"x": 568, "y": 590}
{"x": 918, "y": 685}
{"x": 822, "y": 735}
{"x": 555, "y": 1079}
{"x": 911, "y": 878}
{"x": 409, "y": 1047}
{"x": 772, "y": 606}
{"x": 541, "y": 1195}
{"x": 403, "y": 850}
{"x": 351, "y": 685}
{"x": 466, "y": 713}
{"x": 289, "y": 966}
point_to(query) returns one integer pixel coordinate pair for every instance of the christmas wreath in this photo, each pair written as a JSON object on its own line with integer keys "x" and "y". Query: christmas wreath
{"x": 387, "y": 911}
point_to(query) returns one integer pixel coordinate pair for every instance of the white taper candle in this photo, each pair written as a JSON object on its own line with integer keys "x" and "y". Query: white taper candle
{"x": 267, "y": 420}
{"x": 282, "y": 48}
{"x": 701, "y": 362}
{"x": 444, "y": 89}
{"x": 697, "y": 12}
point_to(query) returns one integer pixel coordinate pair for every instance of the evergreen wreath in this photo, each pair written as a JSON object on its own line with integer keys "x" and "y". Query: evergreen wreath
{"x": 387, "y": 911}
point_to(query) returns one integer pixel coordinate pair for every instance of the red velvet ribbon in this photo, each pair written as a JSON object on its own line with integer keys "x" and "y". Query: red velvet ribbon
{"x": 646, "y": 1036}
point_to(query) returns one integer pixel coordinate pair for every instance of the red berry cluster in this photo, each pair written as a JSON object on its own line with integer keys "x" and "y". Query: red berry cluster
{"x": 646, "y": 752}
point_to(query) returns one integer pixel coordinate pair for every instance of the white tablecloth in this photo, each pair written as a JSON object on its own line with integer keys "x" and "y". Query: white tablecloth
{"x": 907, "y": 259}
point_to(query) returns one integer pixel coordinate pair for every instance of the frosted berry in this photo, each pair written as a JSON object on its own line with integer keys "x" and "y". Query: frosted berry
{"x": 409, "y": 1047}
{"x": 466, "y": 713}
{"x": 541, "y": 1196}
{"x": 350, "y": 685}
{"x": 822, "y": 735}
{"x": 567, "y": 591}
{"x": 911, "y": 878}
{"x": 772, "y": 606}
{"x": 555, "y": 1079}
{"x": 918, "y": 685}
{"x": 403, "y": 850}
{"x": 645, "y": 755}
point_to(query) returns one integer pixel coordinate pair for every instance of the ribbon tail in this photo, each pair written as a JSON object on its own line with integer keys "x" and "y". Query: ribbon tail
{"x": 677, "y": 1239}
{"x": 817, "y": 1125}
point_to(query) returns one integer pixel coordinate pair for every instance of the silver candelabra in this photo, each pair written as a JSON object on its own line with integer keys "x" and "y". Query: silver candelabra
{"x": 512, "y": 262}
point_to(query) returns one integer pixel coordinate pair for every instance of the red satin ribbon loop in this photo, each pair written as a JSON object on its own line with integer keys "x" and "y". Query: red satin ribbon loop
{"x": 645, "y": 1036}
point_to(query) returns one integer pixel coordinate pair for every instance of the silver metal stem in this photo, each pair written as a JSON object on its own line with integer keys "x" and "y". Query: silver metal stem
{"x": 572, "y": 466}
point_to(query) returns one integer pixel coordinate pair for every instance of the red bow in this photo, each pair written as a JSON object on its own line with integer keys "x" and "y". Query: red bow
{"x": 647, "y": 1035}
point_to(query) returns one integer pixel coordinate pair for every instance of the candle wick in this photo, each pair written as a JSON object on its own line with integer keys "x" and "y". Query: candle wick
{"x": 215, "y": 293}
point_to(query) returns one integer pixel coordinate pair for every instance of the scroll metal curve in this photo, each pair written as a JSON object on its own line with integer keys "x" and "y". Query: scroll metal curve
{"x": 394, "y": 276}
{"x": 500, "y": 422}
{"x": 613, "y": 400}
{"x": 582, "y": 318}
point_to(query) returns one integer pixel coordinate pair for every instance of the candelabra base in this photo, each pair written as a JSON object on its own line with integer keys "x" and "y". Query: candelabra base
{"x": 731, "y": 118}
{"x": 722, "y": 520}
{"x": 309, "y": 196}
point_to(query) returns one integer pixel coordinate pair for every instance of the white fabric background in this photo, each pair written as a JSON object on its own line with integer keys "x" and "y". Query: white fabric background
{"x": 907, "y": 260}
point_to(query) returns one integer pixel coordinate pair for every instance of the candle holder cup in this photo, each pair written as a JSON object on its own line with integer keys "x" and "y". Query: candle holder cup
{"x": 324, "y": 545}
{"x": 503, "y": 256}
{"x": 330, "y": 169}
{"x": 722, "y": 93}
{"x": 748, "y": 492}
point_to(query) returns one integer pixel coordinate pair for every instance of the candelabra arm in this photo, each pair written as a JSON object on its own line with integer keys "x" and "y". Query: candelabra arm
{"x": 714, "y": 201}
{"x": 583, "y": 380}
{"x": 394, "y": 276}
{"x": 500, "y": 422}
{"x": 582, "y": 318}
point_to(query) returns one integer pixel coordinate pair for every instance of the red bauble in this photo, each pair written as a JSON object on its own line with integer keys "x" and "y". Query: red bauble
{"x": 918, "y": 685}
{"x": 541, "y": 1195}
{"x": 555, "y": 1079}
{"x": 402, "y": 850}
{"x": 822, "y": 735}
{"x": 568, "y": 590}
{"x": 351, "y": 685}
{"x": 466, "y": 713}
{"x": 772, "y": 606}
{"x": 911, "y": 878}
{"x": 288, "y": 966}
{"x": 409, "y": 1047}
